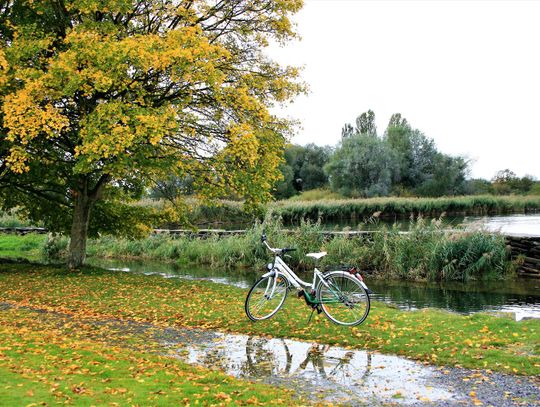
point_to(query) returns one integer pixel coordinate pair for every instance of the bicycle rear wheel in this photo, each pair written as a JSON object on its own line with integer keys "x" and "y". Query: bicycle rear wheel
{"x": 344, "y": 301}
{"x": 266, "y": 297}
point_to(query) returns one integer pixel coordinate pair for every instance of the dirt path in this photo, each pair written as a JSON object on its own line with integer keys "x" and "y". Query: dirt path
{"x": 321, "y": 372}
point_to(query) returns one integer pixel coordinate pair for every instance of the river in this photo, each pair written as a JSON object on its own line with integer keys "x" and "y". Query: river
{"x": 515, "y": 225}
{"x": 520, "y": 297}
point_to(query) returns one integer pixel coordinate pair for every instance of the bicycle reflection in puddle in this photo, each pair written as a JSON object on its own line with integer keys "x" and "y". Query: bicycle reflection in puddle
{"x": 334, "y": 372}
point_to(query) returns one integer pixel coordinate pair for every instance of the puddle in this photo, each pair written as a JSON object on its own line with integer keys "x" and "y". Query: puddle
{"x": 319, "y": 372}
{"x": 337, "y": 374}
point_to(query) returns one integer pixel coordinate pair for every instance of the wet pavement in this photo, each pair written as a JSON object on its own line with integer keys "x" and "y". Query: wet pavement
{"x": 317, "y": 371}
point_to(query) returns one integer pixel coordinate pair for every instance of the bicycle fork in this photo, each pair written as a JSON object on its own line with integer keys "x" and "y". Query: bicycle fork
{"x": 271, "y": 286}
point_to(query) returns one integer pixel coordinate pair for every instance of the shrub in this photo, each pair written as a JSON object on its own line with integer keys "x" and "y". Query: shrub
{"x": 55, "y": 247}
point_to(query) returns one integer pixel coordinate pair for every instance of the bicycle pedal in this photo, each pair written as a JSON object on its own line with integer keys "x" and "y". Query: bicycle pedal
{"x": 319, "y": 309}
{"x": 300, "y": 293}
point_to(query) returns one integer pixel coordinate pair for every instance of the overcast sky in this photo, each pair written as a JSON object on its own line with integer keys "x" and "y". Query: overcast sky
{"x": 465, "y": 73}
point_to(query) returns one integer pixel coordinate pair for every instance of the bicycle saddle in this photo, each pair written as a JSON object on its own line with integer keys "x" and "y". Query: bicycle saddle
{"x": 316, "y": 256}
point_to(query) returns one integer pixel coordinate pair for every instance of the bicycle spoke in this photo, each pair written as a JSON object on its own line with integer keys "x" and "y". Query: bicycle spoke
{"x": 265, "y": 299}
{"x": 344, "y": 300}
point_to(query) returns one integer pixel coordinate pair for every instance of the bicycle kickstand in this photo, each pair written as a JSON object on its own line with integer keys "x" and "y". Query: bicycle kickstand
{"x": 315, "y": 308}
{"x": 311, "y": 315}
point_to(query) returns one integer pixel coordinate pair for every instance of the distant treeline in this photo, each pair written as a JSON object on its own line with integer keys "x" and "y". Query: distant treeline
{"x": 401, "y": 162}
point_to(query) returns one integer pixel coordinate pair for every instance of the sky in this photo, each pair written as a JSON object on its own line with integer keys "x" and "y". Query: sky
{"x": 466, "y": 73}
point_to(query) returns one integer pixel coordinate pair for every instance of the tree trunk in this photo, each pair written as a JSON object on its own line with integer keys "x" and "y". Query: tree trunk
{"x": 79, "y": 229}
{"x": 84, "y": 200}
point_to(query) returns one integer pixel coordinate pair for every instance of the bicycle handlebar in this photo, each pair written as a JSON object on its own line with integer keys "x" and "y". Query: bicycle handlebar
{"x": 276, "y": 250}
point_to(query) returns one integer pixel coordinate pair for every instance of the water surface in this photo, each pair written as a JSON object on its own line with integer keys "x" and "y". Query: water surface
{"x": 521, "y": 296}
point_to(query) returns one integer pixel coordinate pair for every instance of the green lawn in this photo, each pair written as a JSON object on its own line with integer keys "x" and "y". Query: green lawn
{"x": 436, "y": 337}
{"x": 41, "y": 365}
{"x": 29, "y": 246}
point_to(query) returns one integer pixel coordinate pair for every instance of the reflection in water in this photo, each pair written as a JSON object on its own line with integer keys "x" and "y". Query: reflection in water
{"x": 521, "y": 296}
{"x": 336, "y": 373}
{"x": 266, "y": 357}
{"x": 261, "y": 361}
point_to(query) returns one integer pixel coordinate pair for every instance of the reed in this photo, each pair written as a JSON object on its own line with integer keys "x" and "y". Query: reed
{"x": 12, "y": 219}
{"x": 395, "y": 208}
{"x": 426, "y": 253}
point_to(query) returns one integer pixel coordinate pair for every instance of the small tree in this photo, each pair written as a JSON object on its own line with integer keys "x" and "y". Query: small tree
{"x": 99, "y": 96}
{"x": 507, "y": 182}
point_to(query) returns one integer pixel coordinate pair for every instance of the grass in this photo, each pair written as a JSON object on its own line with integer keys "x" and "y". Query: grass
{"x": 11, "y": 219}
{"x": 435, "y": 337}
{"x": 317, "y": 194}
{"x": 425, "y": 254}
{"x": 41, "y": 364}
{"x": 293, "y": 210}
{"x": 29, "y": 246}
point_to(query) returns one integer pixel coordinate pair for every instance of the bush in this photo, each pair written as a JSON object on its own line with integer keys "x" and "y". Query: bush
{"x": 55, "y": 247}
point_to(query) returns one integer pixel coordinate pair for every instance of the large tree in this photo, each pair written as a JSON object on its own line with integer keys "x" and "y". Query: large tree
{"x": 97, "y": 97}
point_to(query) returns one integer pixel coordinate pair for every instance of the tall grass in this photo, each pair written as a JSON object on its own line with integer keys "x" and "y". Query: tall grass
{"x": 429, "y": 253}
{"x": 393, "y": 207}
{"x": 426, "y": 253}
{"x": 12, "y": 219}
{"x": 317, "y": 194}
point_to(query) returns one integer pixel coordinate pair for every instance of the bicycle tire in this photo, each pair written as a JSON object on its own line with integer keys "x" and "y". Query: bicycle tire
{"x": 346, "y": 302}
{"x": 254, "y": 311}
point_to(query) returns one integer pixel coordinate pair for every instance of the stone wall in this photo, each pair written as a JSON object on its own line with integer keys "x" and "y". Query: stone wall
{"x": 528, "y": 248}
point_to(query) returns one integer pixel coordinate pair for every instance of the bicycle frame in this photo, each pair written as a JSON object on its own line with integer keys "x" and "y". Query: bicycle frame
{"x": 280, "y": 266}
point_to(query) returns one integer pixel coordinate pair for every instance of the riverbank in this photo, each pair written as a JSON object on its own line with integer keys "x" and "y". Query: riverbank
{"x": 331, "y": 209}
{"x": 440, "y": 338}
{"x": 402, "y": 208}
{"x": 293, "y": 210}
{"x": 426, "y": 253}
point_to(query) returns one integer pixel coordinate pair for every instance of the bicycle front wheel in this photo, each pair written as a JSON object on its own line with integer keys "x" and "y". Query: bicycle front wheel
{"x": 266, "y": 297}
{"x": 343, "y": 299}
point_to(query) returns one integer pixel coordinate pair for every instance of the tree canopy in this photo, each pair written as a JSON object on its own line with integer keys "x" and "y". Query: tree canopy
{"x": 402, "y": 161}
{"x": 99, "y": 97}
{"x": 303, "y": 169}
{"x": 362, "y": 166}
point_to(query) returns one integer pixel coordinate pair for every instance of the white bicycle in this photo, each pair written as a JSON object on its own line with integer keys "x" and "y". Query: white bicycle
{"x": 341, "y": 295}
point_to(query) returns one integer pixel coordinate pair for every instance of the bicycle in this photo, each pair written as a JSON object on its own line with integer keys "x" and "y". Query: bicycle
{"x": 342, "y": 296}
